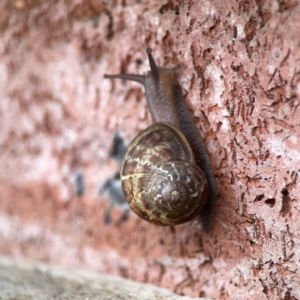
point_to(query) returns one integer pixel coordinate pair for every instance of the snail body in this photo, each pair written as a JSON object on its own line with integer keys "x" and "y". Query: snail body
{"x": 172, "y": 145}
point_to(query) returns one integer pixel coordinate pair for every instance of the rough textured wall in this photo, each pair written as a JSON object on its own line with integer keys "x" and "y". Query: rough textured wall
{"x": 240, "y": 74}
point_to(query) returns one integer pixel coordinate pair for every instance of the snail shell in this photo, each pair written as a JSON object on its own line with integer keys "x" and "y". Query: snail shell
{"x": 160, "y": 178}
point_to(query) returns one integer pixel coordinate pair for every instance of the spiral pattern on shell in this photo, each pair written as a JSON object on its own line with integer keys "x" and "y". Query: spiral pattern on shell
{"x": 160, "y": 179}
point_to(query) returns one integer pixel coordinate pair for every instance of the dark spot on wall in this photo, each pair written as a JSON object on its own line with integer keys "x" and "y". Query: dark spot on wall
{"x": 170, "y": 6}
{"x": 270, "y": 202}
{"x": 259, "y": 197}
{"x": 78, "y": 183}
{"x": 286, "y": 200}
{"x": 250, "y": 28}
{"x": 118, "y": 148}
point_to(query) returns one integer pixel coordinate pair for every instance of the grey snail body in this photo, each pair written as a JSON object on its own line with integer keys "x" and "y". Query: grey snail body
{"x": 173, "y": 130}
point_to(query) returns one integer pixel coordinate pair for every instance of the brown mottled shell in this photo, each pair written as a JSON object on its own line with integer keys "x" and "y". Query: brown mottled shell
{"x": 160, "y": 179}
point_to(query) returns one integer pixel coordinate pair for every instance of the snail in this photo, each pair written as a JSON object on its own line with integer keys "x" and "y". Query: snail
{"x": 166, "y": 174}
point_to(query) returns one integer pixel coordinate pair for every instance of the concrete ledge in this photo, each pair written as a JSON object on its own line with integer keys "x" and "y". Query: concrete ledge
{"x": 32, "y": 280}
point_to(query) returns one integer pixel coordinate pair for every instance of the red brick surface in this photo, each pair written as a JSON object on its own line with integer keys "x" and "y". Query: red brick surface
{"x": 240, "y": 74}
